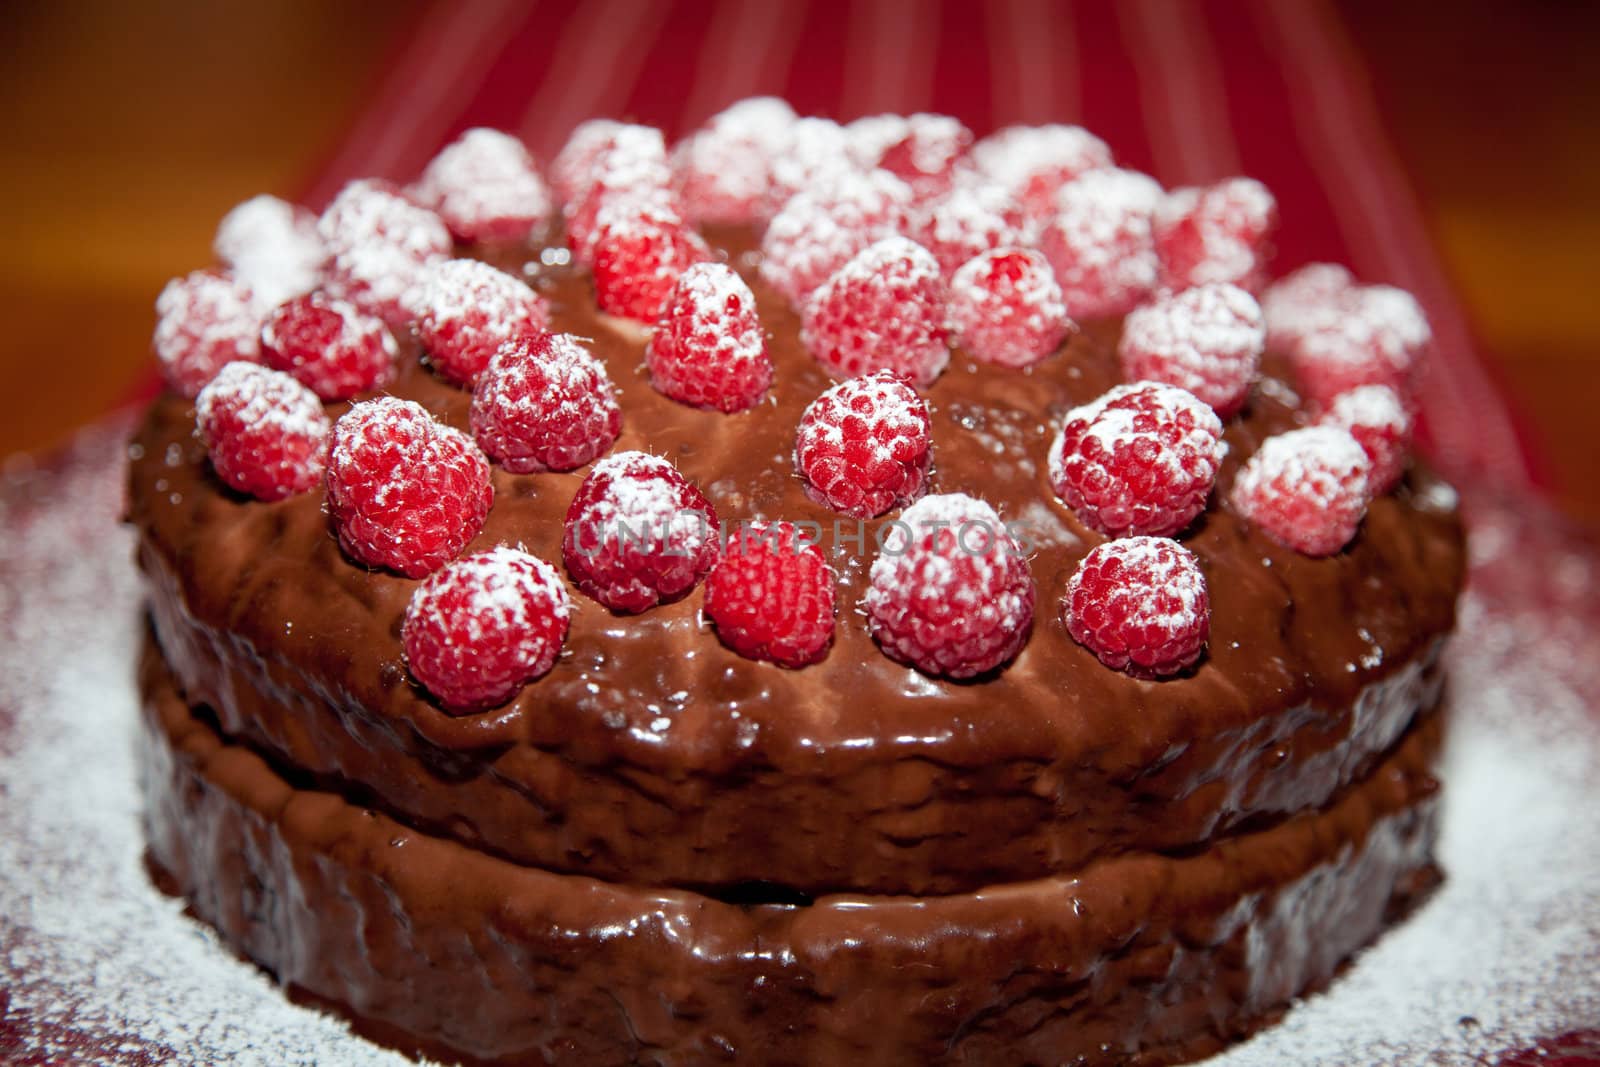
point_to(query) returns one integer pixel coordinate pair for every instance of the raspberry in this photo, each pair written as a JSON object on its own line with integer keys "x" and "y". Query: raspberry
{"x": 883, "y": 310}
{"x": 329, "y": 345}
{"x": 639, "y": 252}
{"x": 817, "y": 153}
{"x": 1293, "y": 304}
{"x": 466, "y": 310}
{"x": 380, "y": 243}
{"x": 863, "y": 446}
{"x": 485, "y": 188}
{"x": 1372, "y": 335}
{"x": 272, "y": 247}
{"x": 709, "y": 349}
{"x": 1207, "y": 340}
{"x": 723, "y": 172}
{"x": 925, "y": 154}
{"x": 481, "y": 628}
{"x": 1031, "y": 162}
{"x": 1141, "y": 460}
{"x": 1222, "y": 233}
{"x": 819, "y": 230}
{"x": 951, "y": 594}
{"x": 204, "y": 321}
{"x": 966, "y": 222}
{"x": 1139, "y": 604}
{"x": 1100, "y": 242}
{"x": 1377, "y": 418}
{"x": 630, "y": 173}
{"x": 571, "y": 169}
{"x": 770, "y": 596}
{"x": 1307, "y": 489}
{"x": 1005, "y": 307}
{"x": 638, "y": 534}
{"x": 405, "y": 491}
{"x": 544, "y": 404}
{"x": 265, "y": 431}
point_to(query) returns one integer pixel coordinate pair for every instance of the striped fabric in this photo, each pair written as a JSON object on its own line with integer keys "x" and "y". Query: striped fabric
{"x": 1189, "y": 91}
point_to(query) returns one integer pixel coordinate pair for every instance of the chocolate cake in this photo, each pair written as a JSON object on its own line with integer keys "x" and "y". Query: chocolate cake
{"x": 661, "y": 849}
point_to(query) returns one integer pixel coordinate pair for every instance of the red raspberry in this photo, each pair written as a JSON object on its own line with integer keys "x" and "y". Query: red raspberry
{"x": 1207, "y": 340}
{"x": 1139, "y": 604}
{"x": 1377, "y": 418}
{"x": 638, "y": 257}
{"x": 1372, "y": 335}
{"x": 204, "y": 321}
{"x": 638, "y": 534}
{"x": 863, "y": 446}
{"x": 485, "y": 188}
{"x": 951, "y": 594}
{"x": 380, "y": 243}
{"x": 817, "y": 154}
{"x": 1222, "y": 233}
{"x": 925, "y": 155}
{"x": 1296, "y": 303}
{"x": 1031, "y": 162}
{"x": 466, "y": 310}
{"x": 965, "y": 223}
{"x": 883, "y": 310}
{"x": 544, "y": 404}
{"x": 571, "y": 170}
{"x": 1307, "y": 489}
{"x": 709, "y": 349}
{"x": 723, "y": 172}
{"x": 1005, "y": 307}
{"x": 629, "y": 174}
{"x": 819, "y": 230}
{"x": 484, "y": 626}
{"x": 329, "y": 345}
{"x": 770, "y": 595}
{"x": 265, "y": 431}
{"x": 272, "y": 247}
{"x": 1141, "y": 460}
{"x": 1100, "y": 242}
{"x": 405, "y": 491}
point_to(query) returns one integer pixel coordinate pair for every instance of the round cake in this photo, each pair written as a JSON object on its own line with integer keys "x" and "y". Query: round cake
{"x": 1114, "y": 782}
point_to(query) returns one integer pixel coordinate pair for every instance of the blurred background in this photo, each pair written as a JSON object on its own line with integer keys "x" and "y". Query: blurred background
{"x": 133, "y": 127}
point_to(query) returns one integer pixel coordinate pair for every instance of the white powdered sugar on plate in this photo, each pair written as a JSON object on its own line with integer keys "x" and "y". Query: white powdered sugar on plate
{"x": 97, "y": 966}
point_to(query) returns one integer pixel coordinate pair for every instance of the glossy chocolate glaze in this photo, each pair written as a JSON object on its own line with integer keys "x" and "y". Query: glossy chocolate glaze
{"x": 653, "y": 755}
{"x": 1138, "y": 959}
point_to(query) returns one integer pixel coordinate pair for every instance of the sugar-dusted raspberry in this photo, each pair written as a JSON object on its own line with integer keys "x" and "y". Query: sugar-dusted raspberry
{"x": 722, "y": 173}
{"x": 818, "y": 230}
{"x": 638, "y": 534}
{"x": 330, "y": 345}
{"x": 1101, "y": 244}
{"x": 1140, "y": 604}
{"x": 1207, "y": 340}
{"x": 271, "y": 246}
{"x": 483, "y": 627}
{"x": 883, "y": 310}
{"x": 1031, "y": 162}
{"x": 925, "y": 154}
{"x": 204, "y": 321}
{"x": 405, "y": 491}
{"x": 863, "y": 446}
{"x": 709, "y": 349}
{"x": 1300, "y": 300}
{"x": 967, "y": 221}
{"x": 1221, "y": 233}
{"x": 639, "y": 254}
{"x": 770, "y": 595}
{"x": 1140, "y": 460}
{"x": 380, "y": 242}
{"x": 466, "y": 310}
{"x": 266, "y": 432}
{"x": 1377, "y": 418}
{"x": 1372, "y": 335}
{"x": 570, "y": 170}
{"x": 819, "y": 153}
{"x": 1307, "y": 489}
{"x": 485, "y": 188}
{"x": 950, "y": 590}
{"x": 630, "y": 173}
{"x": 544, "y": 404}
{"x": 1005, "y": 307}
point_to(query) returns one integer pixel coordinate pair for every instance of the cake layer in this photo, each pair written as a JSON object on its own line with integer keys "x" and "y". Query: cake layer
{"x": 653, "y": 754}
{"x": 1137, "y": 959}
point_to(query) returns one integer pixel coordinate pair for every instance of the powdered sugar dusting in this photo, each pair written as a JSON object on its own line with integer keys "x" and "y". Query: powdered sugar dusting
{"x": 260, "y": 397}
{"x": 204, "y": 321}
{"x": 1101, "y": 243}
{"x": 1166, "y": 588}
{"x": 380, "y": 243}
{"x": 1207, "y": 340}
{"x": 1031, "y": 162}
{"x": 485, "y": 187}
{"x": 819, "y": 230}
{"x": 1006, "y": 307}
{"x": 1321, "y": 459}
{"x": 965, "y": 222}
{"x": 273, "y": 247}
{"x": 723, "y": 172}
